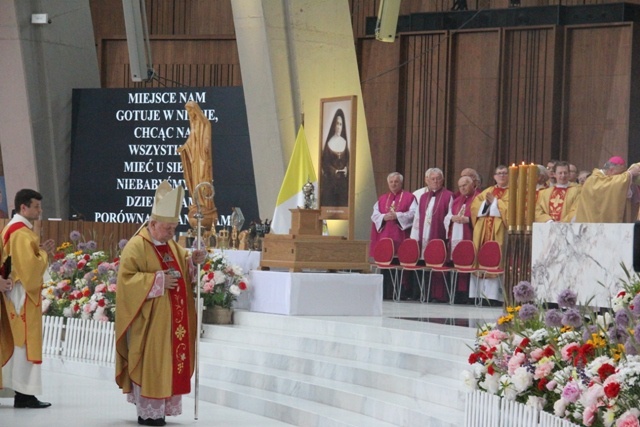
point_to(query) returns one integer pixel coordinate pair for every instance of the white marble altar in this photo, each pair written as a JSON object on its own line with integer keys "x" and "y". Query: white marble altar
{"x": 319, "y": 294}
{"x": 583, "y": 257}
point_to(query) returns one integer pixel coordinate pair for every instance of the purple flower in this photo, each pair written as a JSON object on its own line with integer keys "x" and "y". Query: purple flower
{"x": 630, "y": 348}
{"x": 523, "y": 292}
{"x": 82, "y": 246}
{"x": 636, "y": 333}
{"x": 622, "y": 318}
{"x": 70, "y": 265}
{"x": 589, "y": 330}
{"x": 572, "y": 318}
{"x": 112, "y": 280}
{"x": 75, "y": 235}
{"x": 635, "y": 305}
{"x": 55, "y": 266}
{"x": 618, "y": 334}
{"x": 567, "y": 298}
{"x": 92, "y": 245}
{"x": 103, "y": 268}
{"x": 553, "y": 318}
{"x": 528, "y": 312}
{"x": 122, "y": 243}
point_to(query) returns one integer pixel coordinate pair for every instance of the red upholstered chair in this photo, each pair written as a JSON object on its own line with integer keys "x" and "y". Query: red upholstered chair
{"x": 383, "y": 259}
{"x": 464, "y": 259}
{"x": 489, "y": 261}
{"x": 409, "y": 258}
{"x": 435, "y": 257}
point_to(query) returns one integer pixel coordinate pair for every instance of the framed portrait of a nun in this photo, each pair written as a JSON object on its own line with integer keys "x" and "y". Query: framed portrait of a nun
{"x": 337, "y": 157}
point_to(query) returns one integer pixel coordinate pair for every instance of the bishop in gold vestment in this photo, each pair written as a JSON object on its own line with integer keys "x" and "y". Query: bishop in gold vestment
{"x": 605, "y": 193}
{"x": 155, "y": 314}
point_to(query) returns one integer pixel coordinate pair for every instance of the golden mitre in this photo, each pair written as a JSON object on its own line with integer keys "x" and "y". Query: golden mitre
{"x": 167, "y": 203}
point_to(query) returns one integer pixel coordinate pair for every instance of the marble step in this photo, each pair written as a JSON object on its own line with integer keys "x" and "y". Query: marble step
{"x": 396, "y": 332}
{"x": 296, "y": 345}
{"x": 434, "y": 388}
{"x": 390, "y": 407}
{"x": 288, "y": 409}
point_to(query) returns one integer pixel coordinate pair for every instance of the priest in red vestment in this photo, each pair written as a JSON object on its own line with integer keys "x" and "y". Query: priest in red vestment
{"x": 155, "y": 314}
{"x": 558, "y": 203}
{"x": 428, "y": 223}
{"x": 459, "y": 227}
{"x": 392, "y": 217}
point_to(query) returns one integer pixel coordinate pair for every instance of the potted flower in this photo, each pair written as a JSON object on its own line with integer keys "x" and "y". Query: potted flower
{"x": 220, "y": 285}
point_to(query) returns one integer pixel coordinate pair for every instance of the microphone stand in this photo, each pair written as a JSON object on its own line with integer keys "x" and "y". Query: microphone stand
{"x": 198, "y": 216}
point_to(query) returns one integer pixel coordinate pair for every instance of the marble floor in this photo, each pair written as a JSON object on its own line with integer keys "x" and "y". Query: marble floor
{"x": 94, "y": 400}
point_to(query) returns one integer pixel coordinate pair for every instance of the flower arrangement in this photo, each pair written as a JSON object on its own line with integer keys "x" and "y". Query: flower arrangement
{"x": 220, "y": 282}
{"x": 82, "y": 281}
{"x": 573, "y": 361}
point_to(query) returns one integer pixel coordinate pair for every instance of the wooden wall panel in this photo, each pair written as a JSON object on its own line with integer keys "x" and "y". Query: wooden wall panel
{"x": 177, "y": 62}
{"x": 473, "y": 109}
{"x": 380, "y": 79}
{"x": 423, "y": 106}
{"x": 167, "y": 17}
{"x": 528, "y": 132}
{"x": 596, "y": 96}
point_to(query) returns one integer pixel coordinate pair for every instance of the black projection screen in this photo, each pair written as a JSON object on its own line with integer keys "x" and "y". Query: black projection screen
{"x": 124, "y": 143}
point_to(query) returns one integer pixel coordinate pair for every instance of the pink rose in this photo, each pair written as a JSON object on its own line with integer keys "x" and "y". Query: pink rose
{"x": 571, "y": 392}
{"x": 112, "y": 287}
{"x": 81, "y": 264}
{"x": 589, "y": 415}
{"x": 551, "y": 385}
{"x": 494, "y": 337}
{"x": 515, "y": 362}
{"x": 537, "y": 354}
{"x": 543, "y": 369}
{"x": 101, "y": 288}
{"x": 628, "y": 419}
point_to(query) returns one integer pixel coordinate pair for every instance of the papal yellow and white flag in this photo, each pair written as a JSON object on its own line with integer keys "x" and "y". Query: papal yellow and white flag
{"x": 300, "y": 170}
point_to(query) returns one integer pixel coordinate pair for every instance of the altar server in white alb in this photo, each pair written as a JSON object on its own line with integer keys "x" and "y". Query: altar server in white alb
{"x": 21, "y": 328}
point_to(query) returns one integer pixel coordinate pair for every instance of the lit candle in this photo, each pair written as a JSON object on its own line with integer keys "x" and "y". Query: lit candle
{"x": 531, "y": 194}
{"x": 522, "y": 194}
{"x": 511, "y": 207}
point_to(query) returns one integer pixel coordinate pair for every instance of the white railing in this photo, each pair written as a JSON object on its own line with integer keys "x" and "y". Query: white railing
{"x": 484, "y": 409}
{"x": 90, "y": 340}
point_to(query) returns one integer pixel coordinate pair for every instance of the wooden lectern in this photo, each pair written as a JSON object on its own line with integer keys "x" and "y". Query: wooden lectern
{"x": 306, "y": 248}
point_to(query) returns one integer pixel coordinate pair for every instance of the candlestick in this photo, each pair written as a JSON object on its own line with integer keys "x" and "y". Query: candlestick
{"x": 511, "y": 207}
{"x": 522, "y": 194}
{"x": 531, "y": 194}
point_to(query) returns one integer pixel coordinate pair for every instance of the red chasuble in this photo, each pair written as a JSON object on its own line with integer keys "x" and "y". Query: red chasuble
{"x": 556, "y": 203}
{"x": 179, "y": 323}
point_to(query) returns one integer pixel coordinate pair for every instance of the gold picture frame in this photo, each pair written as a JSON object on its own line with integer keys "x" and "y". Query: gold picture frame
{"x": 337, "y": 157}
